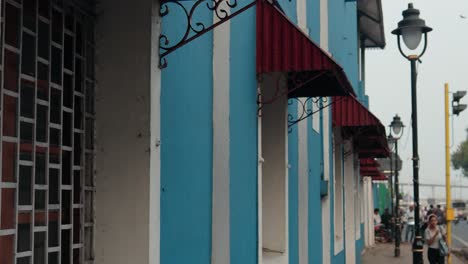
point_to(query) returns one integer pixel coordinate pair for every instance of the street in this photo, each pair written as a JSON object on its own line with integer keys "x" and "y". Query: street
{"x": 460, "y": 234}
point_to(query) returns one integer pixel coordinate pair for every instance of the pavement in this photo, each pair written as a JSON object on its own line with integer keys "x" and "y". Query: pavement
{"x": 384, "y": 253}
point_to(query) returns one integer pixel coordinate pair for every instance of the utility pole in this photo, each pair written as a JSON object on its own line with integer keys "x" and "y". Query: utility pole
{"x": 448, "y": 200}
{"x": 457, "y": 108}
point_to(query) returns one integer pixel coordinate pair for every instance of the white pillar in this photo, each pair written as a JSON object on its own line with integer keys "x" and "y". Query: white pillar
{"x": 220, "y": 202}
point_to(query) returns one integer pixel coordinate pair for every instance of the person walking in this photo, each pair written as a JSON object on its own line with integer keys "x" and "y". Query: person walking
{"x": 432, "y": 235}
{"x": 409, "y": 236}
{"x": 440, "y": 215}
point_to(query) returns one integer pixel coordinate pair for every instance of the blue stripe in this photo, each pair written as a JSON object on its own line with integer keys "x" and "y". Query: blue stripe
{"x": 360, "y": 244}
{"x": 243, "y": 144}
{"x": 313, "y": 19}
{"x": 343, "y": 42}
{"x": 315, "y": 201}
{"x": 290, "y": 9}
{"x": 186, "y": 152}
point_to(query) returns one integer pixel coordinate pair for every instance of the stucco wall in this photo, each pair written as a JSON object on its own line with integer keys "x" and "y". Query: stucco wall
{"x": 122, "y": 131}
{"x": 274, "y": 182}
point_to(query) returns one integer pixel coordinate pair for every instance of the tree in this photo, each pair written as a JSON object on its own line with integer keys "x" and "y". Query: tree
{"x": 460, "y": 157}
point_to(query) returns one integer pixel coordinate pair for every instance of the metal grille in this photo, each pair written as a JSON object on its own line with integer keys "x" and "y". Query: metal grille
{"x": 47, "y": 133}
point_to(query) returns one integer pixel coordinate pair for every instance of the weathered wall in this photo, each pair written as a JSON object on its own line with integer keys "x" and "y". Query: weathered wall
{"x": 123, "y": 131}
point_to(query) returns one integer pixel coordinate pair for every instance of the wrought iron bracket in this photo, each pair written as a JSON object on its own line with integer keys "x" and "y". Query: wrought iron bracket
{"x": 306, "y": 109}
{"x": 294, "y": 81}
{"x": 195, "y": 28}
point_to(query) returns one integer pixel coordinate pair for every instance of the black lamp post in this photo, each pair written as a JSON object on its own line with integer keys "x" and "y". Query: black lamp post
{"x": 391, "y": 144}
{"x": 396, "y": 131}
{"x": 411, "y": 28}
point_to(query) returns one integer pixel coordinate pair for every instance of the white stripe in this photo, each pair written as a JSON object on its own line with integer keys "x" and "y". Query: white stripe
{"x": 301, "y": 9}
{"x": 324, "y": 24}
{"x": 220, "y": 204}
{"x": 349, "y": 210}
{"x": 155, "y": 139}
{"x": 315, "y": 117}
{"x": 303, "y": 182}
{"x": 326, "y": 202}
{"x": 259, "y": 182}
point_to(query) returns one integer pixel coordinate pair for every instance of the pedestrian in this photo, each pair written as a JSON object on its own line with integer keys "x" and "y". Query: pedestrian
{"x": 377, "y": 219}
{"x": 432, "y": 235}
{"x": 424, "y": 212}
{"x": 430, "y": 211}
{"x": 386, "y": 218}
{"x": 440, "y": 215}
{"x": 409, "y": 236}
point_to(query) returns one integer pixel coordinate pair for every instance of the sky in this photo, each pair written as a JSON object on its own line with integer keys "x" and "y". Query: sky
{"x": 389, "y": 88}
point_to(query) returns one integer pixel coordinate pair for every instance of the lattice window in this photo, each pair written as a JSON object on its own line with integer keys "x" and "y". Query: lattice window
{"x": 47, "y": 133}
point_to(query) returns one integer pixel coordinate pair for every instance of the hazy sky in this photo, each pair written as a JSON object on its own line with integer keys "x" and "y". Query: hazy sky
{"x": 446, "y": 60}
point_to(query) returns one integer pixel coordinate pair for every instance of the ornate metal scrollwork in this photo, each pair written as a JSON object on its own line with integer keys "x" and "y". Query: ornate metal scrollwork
{"x": 194, "y": 26}
{"x": 306, "y": 109}
{"x": 285, "y": 86}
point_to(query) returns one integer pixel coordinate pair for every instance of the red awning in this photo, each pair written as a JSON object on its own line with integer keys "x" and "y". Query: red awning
{"x": 380, "y": 178}
{"x": 356, "y": 120}
{"x": 283, "y": 47}
{"x": 369, "y": 171}
{"x": 364, "y": 163}
{"x": 373, "y": 172}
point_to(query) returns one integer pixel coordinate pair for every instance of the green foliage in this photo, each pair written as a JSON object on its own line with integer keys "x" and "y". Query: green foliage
{"x": 460, "y": 157}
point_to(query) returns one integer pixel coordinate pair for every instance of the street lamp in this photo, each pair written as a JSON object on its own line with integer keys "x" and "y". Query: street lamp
{"x": 411, "y": 28}
{"x": 396, "y": 131}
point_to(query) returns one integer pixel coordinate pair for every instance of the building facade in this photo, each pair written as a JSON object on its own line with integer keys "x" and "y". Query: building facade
{"x": 143, "y": 132}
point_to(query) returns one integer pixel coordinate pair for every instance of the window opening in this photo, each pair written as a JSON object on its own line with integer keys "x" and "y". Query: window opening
{"x": 47, "y": 133}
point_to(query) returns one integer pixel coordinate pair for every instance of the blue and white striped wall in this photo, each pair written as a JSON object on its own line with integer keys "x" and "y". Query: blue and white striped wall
{"x": 209, "y": 144}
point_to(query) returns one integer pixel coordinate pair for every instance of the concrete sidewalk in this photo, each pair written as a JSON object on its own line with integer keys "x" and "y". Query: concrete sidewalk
{"x": 384, "y": 254}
